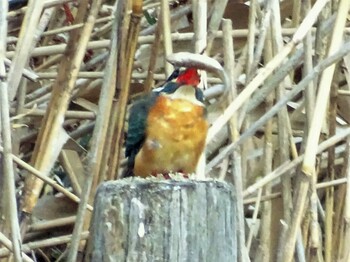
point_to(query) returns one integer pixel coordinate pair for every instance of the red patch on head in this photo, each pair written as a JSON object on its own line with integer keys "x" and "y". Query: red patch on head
{"x": 189, "y": 77}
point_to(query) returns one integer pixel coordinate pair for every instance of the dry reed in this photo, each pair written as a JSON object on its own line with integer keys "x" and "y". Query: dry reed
{"x": 280, "y": 136}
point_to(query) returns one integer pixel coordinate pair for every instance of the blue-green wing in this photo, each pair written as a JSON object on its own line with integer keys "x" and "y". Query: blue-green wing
{"x": 137, "y": 126}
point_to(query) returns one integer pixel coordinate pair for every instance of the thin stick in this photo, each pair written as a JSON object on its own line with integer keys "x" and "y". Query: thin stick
{"x": 335, "y": 182}
{"x": 264, "y": 251}
{"x": 68, "y": 161}
{"x": 54, "y": 241}
{"x": 309, "y": 94}
{"x": 345, "y": 254}
{"x": 236, "y": 160}
{"x": 95, "y": 153}
{"x": 47, "y": 225}
{"x": 26, "y": 72}
{"x": 116, "y": 124}
{"x": 167, "y": 44}
{"x": 251, "y": 36}
{"x": 236, "y": 170}
{"x": 314, "y": 227}
{"x": 229, "y": 61}
{"x": 124, "y": 75}
{"x": 329, "y": 202}
{"x": 341, "y": 231}
{"x": 152, "y": 60}
{"x": 9, "y": 174}
{"x": 8, "y": 244}
{"x": 41, "y": 112}
{"x": 199, "y": 8}
{"x": 283, "y": 121}
{"x": 52, "y": 75}
{"x": 75, "y": 26}
{"x": 322, "y": 185}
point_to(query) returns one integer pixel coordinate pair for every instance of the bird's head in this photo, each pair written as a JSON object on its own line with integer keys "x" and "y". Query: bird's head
{"x": 181, "y": 78}
{"x": 182, "y": 84}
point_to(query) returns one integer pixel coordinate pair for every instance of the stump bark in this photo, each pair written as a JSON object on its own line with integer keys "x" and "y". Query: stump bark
{"x": 140, "y": 220}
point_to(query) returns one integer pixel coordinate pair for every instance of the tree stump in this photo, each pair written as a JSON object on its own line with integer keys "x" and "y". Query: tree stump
{"x": 163, "y": 220}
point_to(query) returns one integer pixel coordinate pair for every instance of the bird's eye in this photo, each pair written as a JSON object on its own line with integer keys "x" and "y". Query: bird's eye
{"x": 173, "y": 75}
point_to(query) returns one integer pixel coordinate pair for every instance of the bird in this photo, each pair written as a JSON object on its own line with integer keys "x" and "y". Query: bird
{"x": 167, "y": 128}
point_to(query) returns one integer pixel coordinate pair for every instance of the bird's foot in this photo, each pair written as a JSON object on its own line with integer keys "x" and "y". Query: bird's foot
{"x": 172, "y": 175}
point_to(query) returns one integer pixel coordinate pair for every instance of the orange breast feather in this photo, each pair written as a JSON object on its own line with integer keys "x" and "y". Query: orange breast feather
{"x": 175, "y": 138}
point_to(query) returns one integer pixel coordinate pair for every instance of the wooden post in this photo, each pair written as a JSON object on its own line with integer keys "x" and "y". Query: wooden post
{"x": 140, "y": 220}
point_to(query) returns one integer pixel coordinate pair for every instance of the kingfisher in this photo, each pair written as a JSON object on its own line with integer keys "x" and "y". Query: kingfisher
{"x": 167, "y": 128}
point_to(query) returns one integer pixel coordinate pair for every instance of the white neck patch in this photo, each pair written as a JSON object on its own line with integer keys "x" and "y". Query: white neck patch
{"x": 185, "y": 92}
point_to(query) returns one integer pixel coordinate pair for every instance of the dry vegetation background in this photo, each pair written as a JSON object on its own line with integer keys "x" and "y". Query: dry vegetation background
{"x": 65, "y": 85}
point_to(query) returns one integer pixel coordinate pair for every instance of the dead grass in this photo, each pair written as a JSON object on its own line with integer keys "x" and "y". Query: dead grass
{"x": 281, "y": 136}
